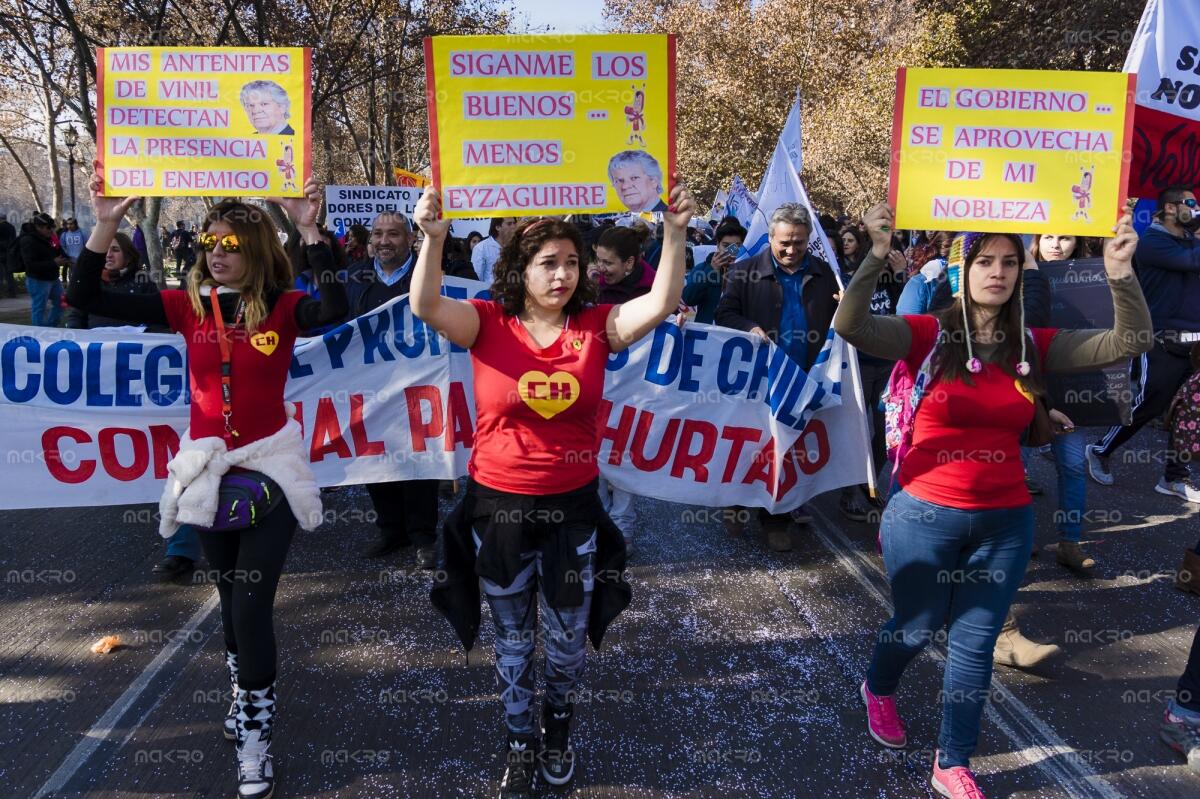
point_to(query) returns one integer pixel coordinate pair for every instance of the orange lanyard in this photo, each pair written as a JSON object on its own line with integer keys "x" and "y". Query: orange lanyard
{"x": 225, "y": 341}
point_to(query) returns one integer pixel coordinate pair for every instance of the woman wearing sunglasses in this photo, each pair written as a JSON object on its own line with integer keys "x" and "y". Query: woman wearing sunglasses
{"x": 241, "y": 474}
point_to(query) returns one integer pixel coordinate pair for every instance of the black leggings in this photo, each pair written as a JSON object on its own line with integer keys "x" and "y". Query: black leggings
{"x": 247, "y": 565}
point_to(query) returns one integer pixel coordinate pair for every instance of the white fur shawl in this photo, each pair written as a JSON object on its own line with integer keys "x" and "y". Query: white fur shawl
{"x": 194, "y": 477}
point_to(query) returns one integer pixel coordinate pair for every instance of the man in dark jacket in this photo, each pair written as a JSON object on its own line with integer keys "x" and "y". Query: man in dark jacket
{"x": 8, "y": 237}
{"x": 1168, "y": 267}
{"x": 40, "y": 260}
{"x": 785, "y": 295}
{"x": 406, "y": 509}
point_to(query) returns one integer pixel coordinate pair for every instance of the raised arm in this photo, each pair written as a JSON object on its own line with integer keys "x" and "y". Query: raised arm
{"x": 630, "y": 321}
{"x": 83, "y": 289}
{"x": 1132, "y": 332}
{"x": 303, "y": 212}
{"x": 882, "y": 336}
{"x": 457, "y": 320}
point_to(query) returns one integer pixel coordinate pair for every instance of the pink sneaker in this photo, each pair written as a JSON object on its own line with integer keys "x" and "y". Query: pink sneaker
{"x": 956, "y": 782}
{"x": 883, "y": 722}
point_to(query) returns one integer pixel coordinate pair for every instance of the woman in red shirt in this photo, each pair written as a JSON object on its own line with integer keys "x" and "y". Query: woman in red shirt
{"x": 241, "y": 473}
{"x": 958, "y": 532}
{"x": 531, "y": 525}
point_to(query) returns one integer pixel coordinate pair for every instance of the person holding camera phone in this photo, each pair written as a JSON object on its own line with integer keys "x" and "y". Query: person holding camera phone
{"x": 706, "y": 281}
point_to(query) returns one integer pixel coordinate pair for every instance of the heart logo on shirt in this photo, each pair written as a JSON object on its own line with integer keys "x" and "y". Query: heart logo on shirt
{"x": 265, "y": 342}
{"x": 548, "y": 395}
{"x": 1024, "y": 393}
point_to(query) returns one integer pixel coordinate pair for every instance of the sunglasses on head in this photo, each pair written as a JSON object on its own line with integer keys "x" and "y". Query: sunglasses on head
{"x": 229, "y": 242}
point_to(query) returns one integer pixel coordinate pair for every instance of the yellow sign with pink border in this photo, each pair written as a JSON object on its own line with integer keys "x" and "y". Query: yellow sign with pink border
{"x": 551, "y": 124}
{"x": 1017, "y": 151}
{"x": 209, "y": 121}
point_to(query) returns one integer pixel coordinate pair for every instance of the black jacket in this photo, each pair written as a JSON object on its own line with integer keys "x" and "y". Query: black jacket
{"x": 754, "y": 298}
{"x": 365, "y": 292}
{"x": 37, "y": 255}
{"x": 8, "y": 234}
{"x": 131, "y": 281}
{"x": 506, "y": 532}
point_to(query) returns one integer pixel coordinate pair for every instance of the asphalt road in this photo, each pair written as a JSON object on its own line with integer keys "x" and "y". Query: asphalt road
{"x": 734, "y": 673}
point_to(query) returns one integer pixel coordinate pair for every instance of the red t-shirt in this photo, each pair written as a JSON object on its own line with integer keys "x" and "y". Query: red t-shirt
{"x": 537, "y": 426}
{"x": 259, "y": 368}
{"x": 966, "y": 449}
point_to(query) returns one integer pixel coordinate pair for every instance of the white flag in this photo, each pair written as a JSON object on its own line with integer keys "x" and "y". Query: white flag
{"x": 782, "y": 185}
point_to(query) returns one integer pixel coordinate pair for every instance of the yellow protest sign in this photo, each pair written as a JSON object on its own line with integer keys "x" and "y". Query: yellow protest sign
{"x": 551, "y": 124}
{"x": 205, "y": 121}
{"x": 406, "y": 178}
{"x": 1018, "y": 151}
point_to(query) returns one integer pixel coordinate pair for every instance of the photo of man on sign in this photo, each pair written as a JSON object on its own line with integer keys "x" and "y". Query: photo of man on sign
{"x": 268, "y": 107}
{"x": 637, "y": 179}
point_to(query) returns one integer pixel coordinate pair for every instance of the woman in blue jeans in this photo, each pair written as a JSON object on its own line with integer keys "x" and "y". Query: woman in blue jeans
{"x": 958, "y": 534}
{"x": 1068, "y": 447}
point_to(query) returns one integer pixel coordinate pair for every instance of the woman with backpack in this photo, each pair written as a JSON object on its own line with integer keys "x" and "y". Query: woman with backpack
{"x": 241, "y": 473}
{"x": 958, "y": 532}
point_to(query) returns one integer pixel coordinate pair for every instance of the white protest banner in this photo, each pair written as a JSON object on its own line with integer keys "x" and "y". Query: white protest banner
{"x": 703, "y": 415}
{"x": 359, "y": 205}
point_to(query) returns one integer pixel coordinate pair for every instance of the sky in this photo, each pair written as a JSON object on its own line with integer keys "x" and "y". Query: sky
{"x": 564, "y": 16}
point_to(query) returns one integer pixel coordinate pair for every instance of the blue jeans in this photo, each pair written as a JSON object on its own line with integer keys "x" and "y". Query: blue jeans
{"x": 952, "y": 567}
{"x": 39, "y": 292}
{"x": 185, "y": 543}
{"x": 1068, "y": 449}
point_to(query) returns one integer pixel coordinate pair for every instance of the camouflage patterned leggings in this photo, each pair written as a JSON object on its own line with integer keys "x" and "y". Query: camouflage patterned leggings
{"x": 563, "y": 633}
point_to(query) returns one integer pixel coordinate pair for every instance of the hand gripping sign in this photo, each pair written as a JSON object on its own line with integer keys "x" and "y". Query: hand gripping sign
{"x": 551, "y": 124}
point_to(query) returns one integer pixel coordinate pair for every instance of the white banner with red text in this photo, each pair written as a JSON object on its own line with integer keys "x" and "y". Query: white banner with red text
{"x": 702, "y": 415}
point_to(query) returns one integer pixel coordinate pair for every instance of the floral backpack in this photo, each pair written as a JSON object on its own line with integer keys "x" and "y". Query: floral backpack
{"x": 900, "y": 400}
{"x": 1185, "y": 419}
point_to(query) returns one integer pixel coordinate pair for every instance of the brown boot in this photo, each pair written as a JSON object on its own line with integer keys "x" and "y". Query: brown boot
{"x": 1015, "y": 650}
{"x": 1188, "y": 578}
{"x": 1071, "y": 555}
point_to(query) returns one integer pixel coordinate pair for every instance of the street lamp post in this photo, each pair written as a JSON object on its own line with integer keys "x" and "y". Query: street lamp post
{"x": 71, "y": 138}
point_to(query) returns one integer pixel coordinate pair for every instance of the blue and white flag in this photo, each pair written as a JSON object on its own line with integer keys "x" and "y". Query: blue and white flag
{"x": 717, "y": 212}
{"x": 781, "y": 184}
{"x": 742, "y": 202}
{"x": 790, "y": 138}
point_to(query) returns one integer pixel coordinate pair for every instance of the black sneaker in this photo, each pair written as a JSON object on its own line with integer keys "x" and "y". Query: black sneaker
{"x": 557, "y": 756}
{"x": 385, "y": 545}
{"x": 801, "y": 515}
{"x": 852, "y": 505}
{"x": 520, "y": 756}
{"x": 172, "y": 567}
{"x": 426, "y": 557}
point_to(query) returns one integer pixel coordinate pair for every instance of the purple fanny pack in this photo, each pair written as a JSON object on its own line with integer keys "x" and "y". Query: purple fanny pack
{"x": 244, "y": 499}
